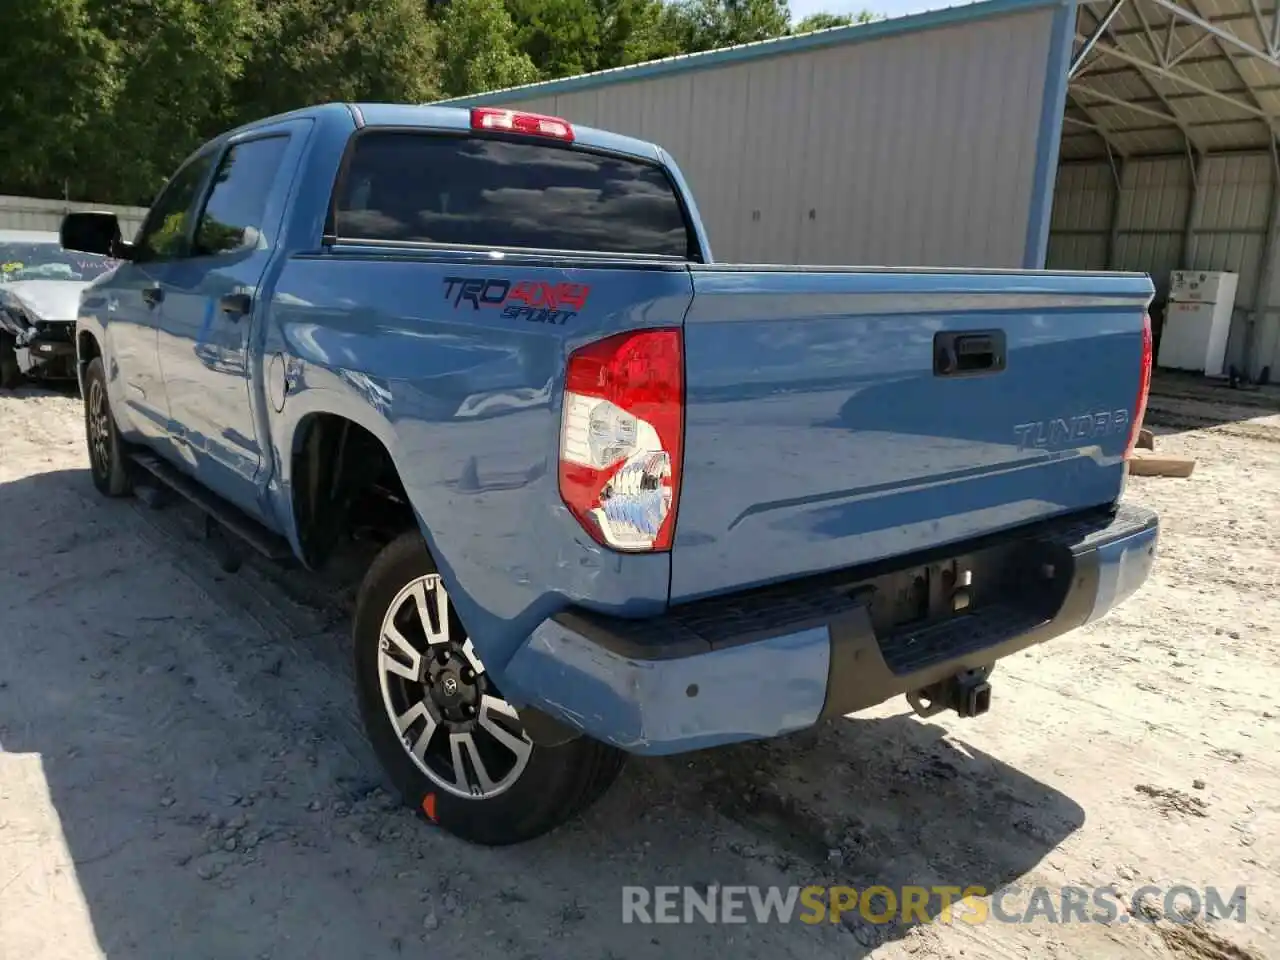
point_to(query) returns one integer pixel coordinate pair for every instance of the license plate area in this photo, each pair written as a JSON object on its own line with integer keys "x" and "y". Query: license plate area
{"x": 1021, "y": 573}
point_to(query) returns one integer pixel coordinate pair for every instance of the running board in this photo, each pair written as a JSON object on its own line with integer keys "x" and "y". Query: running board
{"x": 232, "y": 518}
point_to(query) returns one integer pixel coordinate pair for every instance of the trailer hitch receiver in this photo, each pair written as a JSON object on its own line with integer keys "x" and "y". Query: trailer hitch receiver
{"x": 967, "y": 693}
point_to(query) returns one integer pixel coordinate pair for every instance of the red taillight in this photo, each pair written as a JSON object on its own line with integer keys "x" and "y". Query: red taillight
{"x": 621, "y": 435}
{"x": 512, "y": 121}
{"x": 1144, "y": 388}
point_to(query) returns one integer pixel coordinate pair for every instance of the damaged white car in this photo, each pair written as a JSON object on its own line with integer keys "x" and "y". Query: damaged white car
{"x": 40, "y": 285}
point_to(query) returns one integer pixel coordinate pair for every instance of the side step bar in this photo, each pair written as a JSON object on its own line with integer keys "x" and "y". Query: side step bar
{"x": 232, "y": 518}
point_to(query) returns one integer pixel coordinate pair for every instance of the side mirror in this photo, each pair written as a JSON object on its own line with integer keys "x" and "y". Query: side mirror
{"x": 93, "y": 233}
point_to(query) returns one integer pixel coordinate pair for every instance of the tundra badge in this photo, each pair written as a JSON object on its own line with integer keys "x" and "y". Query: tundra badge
{"x": 1057, "y": 433}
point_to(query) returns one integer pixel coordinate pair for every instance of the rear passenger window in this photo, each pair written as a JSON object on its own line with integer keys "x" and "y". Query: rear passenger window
{"x": 496, "y": 193}
{"x": 233, "y": 215}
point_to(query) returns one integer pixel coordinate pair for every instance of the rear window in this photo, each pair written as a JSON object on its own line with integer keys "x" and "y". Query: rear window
{"x": 498, "y": 193}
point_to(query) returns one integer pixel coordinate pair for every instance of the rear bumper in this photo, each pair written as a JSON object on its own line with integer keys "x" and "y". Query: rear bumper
{"x": 779, "y": 659}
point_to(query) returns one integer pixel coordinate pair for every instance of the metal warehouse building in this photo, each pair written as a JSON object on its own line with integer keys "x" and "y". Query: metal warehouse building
{"x": 1125, "y": 134}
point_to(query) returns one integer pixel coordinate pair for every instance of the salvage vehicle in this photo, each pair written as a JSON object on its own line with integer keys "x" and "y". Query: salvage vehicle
{"x": 40, "y": 286}
{"x": 628, "y": 500}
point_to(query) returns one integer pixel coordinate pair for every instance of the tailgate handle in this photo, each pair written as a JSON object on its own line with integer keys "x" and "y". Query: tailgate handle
{"x": 967, "y": 353}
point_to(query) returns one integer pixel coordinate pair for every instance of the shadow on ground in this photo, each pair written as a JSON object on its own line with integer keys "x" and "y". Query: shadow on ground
{"x": 197, "y": 734}
{"x": 1184, "y": 401}
{"x": 40, "y": 388}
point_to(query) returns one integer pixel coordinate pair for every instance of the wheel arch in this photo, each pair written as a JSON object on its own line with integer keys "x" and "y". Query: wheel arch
{"x": 87, "y": 348}
{"x": 335, "y": 463}
{"x": 317, "y": 525}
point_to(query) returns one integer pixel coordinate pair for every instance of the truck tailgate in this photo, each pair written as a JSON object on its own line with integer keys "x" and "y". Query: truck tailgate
{"x": 839, "y": 417}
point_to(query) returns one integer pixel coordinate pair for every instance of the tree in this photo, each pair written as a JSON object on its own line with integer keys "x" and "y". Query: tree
{"x": 475, "y": 52}
{"x": 561, "y": 37}
{"x": 109, "y": 95}
{"x": 711, "y": 24}
{"x": 103, "y": 98}
{"x": 174, "y": 64}
{"x": 825, "y": 21}
{"x": 635, "y": 31}
{"x": 58, "y": 79}
{"x": 315, "y": 51}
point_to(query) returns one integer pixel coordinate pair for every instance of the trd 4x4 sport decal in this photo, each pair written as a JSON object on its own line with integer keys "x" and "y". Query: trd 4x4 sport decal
{"x": 531, "y": 300}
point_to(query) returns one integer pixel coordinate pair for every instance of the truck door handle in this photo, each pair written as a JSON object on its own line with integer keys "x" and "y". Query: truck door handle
{"x": 235, "y": 305}
{"x": 152, "y": 295}
{"x": 968, "y": 353}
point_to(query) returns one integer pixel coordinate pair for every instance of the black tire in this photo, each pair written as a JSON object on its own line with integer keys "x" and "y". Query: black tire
{"x": 108, "y": 454}
{"x": 10, "y": 375}
{"x": 554, "y": 784}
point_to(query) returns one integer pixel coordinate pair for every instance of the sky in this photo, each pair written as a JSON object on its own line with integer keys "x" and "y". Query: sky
{"x": 890, "y": 8}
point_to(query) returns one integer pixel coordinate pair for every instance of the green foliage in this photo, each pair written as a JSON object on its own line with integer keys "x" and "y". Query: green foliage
{"x": 560, "y": 36}
{"x": 711, "y": 24}
{"x": 60, "y": 81}
{"x": 636, "y": 31}
{"x": 825, "y": 21}
{"x": 176, "y": 63}
{"x": 313, "y": 51}
{"x": 476, "y": 52}
{"x": 104, "y": 98}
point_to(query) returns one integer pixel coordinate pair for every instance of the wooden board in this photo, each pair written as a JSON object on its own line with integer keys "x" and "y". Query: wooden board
{"x": 1148, "y": 464}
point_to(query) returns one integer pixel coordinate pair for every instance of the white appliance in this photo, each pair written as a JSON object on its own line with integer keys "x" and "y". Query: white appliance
{"x": 1197, "y": 321}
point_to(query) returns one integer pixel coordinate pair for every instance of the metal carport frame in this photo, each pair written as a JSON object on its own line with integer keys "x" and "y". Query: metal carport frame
{"x": 1196, "y": 78}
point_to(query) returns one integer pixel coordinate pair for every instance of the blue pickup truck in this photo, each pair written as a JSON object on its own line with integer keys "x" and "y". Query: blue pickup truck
{"x": 627, "y": 499}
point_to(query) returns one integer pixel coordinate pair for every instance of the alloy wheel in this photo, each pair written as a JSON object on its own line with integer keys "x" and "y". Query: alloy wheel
{"x": 451, "y": 720}
{"x": 99, "y": 428}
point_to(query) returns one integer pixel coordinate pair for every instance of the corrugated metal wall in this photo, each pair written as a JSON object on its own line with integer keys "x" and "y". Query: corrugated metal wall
{"x": 32, "y": 213}
{"x": 1155, "y": 230}
{"x": 1080, "y": 230}
{"x": 911, "y": 149}
{"x": 1154, "y": 199}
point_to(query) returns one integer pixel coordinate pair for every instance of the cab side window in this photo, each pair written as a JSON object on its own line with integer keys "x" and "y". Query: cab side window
{"x": 164, "y": 234}
{"x": 232, "y": 218}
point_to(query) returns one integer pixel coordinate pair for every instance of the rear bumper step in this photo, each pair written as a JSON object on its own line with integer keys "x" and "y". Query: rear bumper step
{"x": 778, "y": 659}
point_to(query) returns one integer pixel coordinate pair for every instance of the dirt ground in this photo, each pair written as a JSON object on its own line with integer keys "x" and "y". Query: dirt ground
{"x": 182, "y": 772}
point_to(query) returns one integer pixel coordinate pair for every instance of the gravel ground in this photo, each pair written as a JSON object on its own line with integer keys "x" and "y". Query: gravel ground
{"x": 182, "y": 772}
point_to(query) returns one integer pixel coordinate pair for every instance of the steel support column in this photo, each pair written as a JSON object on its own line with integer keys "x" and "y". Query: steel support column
{"x": 1266, "y": 270}
{"x": 1195, "y": 206}
{"x": 1113, "y": 225}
